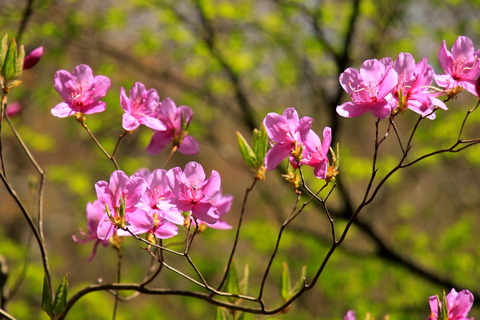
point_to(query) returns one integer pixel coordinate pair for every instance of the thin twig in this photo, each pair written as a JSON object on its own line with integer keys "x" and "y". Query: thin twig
{"x": 90, "y": 133}
{"x": 5, "y": 315}
{"x": 118, "y": 142}
{"x": 237, "y": 233}
{"x": 36, "y": 229}
{"x": 277, "y": 247}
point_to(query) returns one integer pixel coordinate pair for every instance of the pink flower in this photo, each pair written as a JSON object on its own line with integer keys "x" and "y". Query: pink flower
{"x": 461, "y": 66}
{"x": 120, "y": 198}
{"x": 80, "y": 92}
{"x": 156, "y": 198}
{"x": 155, "y": 201}
{"x": 350, "y": 315}
{"x": 370, "y": 89}
{"x": 141, "y": 107}
{"x": 193, "y": 192}
{"x": 176, "y": 121}
{"x": 458, "y": 306}
{"x": 292, "y": 137}
{"x": 95, "y": 212}
{"x": 162, "y": 228}
{"x": 317, "y": 152}
{"x": 412, "y": 90}
{"x": 32, "y": 58}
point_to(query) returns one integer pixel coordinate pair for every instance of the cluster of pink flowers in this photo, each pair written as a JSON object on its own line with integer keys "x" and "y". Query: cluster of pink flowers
{"x": 293, "y": 137}
{"x": 82, "y": 92}
{"x": 155, "y": 203}
{"x": 385, "y": 86}
{"x": 458, "y": 304}
{"x": 147, "y": 202}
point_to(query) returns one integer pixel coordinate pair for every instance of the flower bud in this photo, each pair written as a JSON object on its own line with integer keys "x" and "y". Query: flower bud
{"x": 32, "y": 58}
{"x": 13, "y": 109}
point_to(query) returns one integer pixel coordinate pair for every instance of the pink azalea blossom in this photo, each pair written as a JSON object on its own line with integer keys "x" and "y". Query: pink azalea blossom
{"x": 292, "y": 137}
{"x": 156, "y": 198}
{"x": 413, "y": 88}
{"x": 141, "y": 107}
{"x": 120, "y": 197}
{"x": 163, "y": 229}
{"x": 193, "y": 192}
{"x": 176, "y": 121}
{"x": 370, "y": 89}
{"x": 458, "y": 306}
{"x": 317, "y": 152}
{"x": 461, "y": 66}
{"x": 95, "y": 212}
{"x": 32, "y": 58}
{"x": 80, "y": 91}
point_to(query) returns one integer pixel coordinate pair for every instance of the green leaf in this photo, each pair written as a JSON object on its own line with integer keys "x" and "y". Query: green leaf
{"x": 247, "y": 153}
{"x": 285, "y": 282}
{"x": 232, "y": 285}
{"x": 61, "y": 297}
{"x": 444, "y": 314}
{"x": 222, "y": 314}
{"x": 3, "y": 50}
{"x": 9, "y": 69}
{"x": 260, "y": 145}
{"x": 301, "y": 281}
{"x": 47, "y": 298}
{"x": 20, "y": 60}
{"x": 243, "y": 285}
{"x": 240, "y": 315}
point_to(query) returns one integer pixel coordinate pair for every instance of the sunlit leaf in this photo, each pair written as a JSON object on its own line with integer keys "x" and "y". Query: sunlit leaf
{"x": 243, "y": 285}
{"x": 246, "y": 151}
{"x": 47, "y": 298}
{"x": 222, "y": 314}
{"x": 285, "y": 282}
{"x": 260, "y": 144}
{"x": 9, "y": 68}
{"x": 3, "y": 50}
{"x": 232, "y": 285}
{"x": 60, "y": 301}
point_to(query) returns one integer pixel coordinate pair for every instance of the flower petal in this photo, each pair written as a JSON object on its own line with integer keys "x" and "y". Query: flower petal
{"x": 129, "y": 122}
{"x": 62, "y": 110}
{"x": 276, "y": 155}
{"x": 95, "y": 107}
{"x": 159, "y": 141}
{"x": 101, "y": 85}
{"x": 188, "y": 146}
{"x": 166, "y": 230}
{"x": 194, "y": 174}
{"x": 352, "y": 109}
{"x": 212, "y": 186}
{"x": 83, "y": 76}
{"x": 205, "y": 212}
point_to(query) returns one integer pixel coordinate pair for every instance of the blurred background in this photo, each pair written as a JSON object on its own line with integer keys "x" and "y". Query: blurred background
{"x": 232, "y": 62}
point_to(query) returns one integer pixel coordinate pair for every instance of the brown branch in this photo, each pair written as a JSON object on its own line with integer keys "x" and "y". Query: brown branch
{"x": 208, "y": 35}
{"x": 26, "y": 15}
